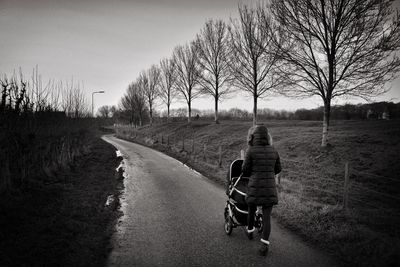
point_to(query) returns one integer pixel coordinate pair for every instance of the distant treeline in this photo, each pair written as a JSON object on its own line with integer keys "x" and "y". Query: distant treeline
{"x": 377, "y": 110}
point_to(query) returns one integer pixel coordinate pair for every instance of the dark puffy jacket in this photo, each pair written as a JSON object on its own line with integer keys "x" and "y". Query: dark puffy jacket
{"x": 261, "y": 163}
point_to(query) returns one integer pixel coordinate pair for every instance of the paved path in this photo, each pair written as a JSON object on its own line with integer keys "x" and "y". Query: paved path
{"x": 174, "y": 217}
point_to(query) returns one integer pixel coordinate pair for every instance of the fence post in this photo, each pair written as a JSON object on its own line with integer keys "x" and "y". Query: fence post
{"x": 168, "y": 140}
{"x": 204, "y": 152}
{"x": 346, "y": 186}
{"x": 242, "y": 154}
{"x": 183, "y": 143}
{"x": 219, "y": 156}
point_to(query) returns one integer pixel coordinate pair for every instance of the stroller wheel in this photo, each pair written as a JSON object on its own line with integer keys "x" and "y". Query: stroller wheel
{"x": 228, "y": 226}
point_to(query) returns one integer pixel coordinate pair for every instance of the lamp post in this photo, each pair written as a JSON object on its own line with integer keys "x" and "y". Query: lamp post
{"x": 97, "y": 92}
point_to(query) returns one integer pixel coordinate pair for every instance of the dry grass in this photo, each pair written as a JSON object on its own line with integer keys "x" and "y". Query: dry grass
{"x": 311, "y": 190}
{"x": 61, "y": 220}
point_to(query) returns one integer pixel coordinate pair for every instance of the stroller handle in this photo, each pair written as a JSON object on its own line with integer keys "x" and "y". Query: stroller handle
{"x": 233, "y": 187}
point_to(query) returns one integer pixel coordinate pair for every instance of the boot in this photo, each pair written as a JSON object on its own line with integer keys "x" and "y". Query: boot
{"x": 249, "y": 233}
{"x": 263, "y": 251}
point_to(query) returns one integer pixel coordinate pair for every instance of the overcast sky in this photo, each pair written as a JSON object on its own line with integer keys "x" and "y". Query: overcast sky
{"x": 106, "y": 43}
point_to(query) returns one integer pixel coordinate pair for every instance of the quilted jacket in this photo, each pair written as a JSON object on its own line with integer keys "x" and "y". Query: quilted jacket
{"x": 261, "y": 164}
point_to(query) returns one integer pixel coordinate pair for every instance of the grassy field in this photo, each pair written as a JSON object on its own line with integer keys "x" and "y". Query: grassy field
{"x": 312, "y": 181}
{"x": 62, "y": 220}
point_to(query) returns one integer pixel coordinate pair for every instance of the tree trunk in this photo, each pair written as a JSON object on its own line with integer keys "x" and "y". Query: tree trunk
{"x": 168, "y": 113}
{"x": 151, "y": 118}
{"x": 151, "y": 114}
{"x": 325, "y": 127}
{"x": 328, "y": 97}
{"x": 189, "y": 111}
{"x": 216, "y": 111}
{"x": 255, "y": 110}
{"x": 216, "y": 99}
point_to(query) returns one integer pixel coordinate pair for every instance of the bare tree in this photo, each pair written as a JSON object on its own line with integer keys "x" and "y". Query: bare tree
{"x": 73, "y": 100}
{"x": 67, "y": 99}
{"x": 15, "y": 89}
{"x": 134, "y": 103}
{"x": 167, "y": 82}
{"x": 338, "y": 48}
{"x": 188, "y": 73}
{"x": 113, "y": 111}
{"x": 104, "y": 111}
{"x": 55, "y": 92}
{"x": 20, "y": 92}
{"x": 6, "y": 84}
{"x": 254, "y": 60}
{"x": 127, "y": 103}
{"x": 142, "y": 83}
{"x": 21, "y": 95}
{"x": 149, "y": 82}
{"x": 80, "y": 103}
{"x": 39, "y": 93}
{"x": 213, "y": 60}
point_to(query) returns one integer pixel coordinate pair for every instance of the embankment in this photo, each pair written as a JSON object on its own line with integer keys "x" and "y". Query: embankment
{"x": 54, "y": 189}
{"x": 363, "y": 231}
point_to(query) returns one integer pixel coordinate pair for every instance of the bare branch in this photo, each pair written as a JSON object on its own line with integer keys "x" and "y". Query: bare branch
{"x": 167, "y": 82}
{"x": 213, "y": 50}
{"x": 254, "y": 61}
{"x": 338, "y": 48}
{"x": 188, "y": 73}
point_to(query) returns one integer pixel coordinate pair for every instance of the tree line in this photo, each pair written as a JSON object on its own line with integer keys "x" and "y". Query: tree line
{"x": 26, "y": 96}
{"x": 325, "y": 48}
{"x": 44, "y": 128}
{"x": 375, "y": 110}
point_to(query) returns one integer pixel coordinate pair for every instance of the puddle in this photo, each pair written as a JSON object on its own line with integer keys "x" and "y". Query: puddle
{"x": 119, "y": 154}
{"x": 121, "y": 167}
{"x": 193, "y": 170}
{"x": 110, "y": 200}
{"x": 121, "y": 175}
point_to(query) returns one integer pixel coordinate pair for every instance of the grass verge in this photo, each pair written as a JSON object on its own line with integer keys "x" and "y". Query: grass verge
{"x": 312, "y": 181}
{"x": 64, "y": 221}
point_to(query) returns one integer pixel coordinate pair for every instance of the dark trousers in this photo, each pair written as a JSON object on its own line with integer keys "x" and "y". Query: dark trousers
{"x": 266, "y": 218}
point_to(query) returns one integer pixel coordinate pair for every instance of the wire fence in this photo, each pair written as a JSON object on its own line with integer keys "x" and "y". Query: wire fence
{"x": 354, "y": 189}
{"x": 333, "y": 184}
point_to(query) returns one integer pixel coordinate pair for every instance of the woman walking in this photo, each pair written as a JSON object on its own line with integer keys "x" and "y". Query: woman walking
{"x": 261, "y": 164}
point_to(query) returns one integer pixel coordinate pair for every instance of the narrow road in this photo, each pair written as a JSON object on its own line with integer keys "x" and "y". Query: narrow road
{"x": 173, "y": 216}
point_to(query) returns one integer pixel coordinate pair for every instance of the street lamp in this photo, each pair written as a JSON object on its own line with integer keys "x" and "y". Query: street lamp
{"x": 97, "y": 92}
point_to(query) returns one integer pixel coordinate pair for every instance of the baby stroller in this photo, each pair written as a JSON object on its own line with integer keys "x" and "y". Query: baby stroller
{"x": 236, "y": 209}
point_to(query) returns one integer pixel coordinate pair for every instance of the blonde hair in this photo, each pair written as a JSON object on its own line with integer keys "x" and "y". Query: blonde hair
{"x": 250, "y": 136}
